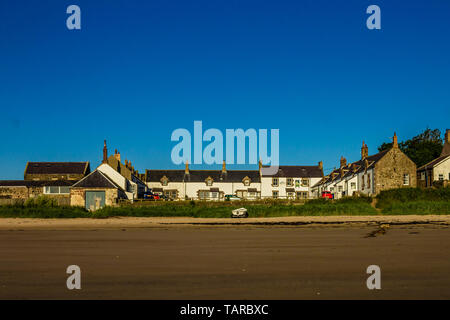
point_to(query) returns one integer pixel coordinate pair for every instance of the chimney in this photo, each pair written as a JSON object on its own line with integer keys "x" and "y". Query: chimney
{"x": 394, "y": 141}
{"x": 117, "y": 155}
{"x": 126, "y": 163}
{"x": 343, "y": 162}
{"x": 446, "y": 148}
{"x": 259, "y": 165}
{"x": 320, "y": 165}
{"x": 364, "y": 151}
{"x": 224, "y": 168}
{"x": 105, "y": 153}
{"x": 186, "y": 169}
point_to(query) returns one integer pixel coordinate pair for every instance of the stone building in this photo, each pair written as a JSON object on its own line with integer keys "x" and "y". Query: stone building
{"x": 95, "y": 191}
{"x": 109, "y": 183}
{"x": 385, "y": 170}
{"x": 52, "y": 179}
{"x": 437, "y": 171}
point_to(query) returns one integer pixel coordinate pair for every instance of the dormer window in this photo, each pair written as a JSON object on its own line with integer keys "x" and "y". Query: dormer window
{"x": 164, "y": 181}
{"x": 246, "y": 181}
{"x": 209, "y": 181}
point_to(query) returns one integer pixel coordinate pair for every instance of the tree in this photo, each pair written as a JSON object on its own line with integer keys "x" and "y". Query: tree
{"x": 422, "y": 148}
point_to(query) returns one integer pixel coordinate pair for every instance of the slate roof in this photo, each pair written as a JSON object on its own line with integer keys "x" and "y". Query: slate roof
{"x": 96, "y": 179}
{"x": 353, "y": 168}
{"x": 57, "y": 168}
{"x": 434, "y": 162}
{"x": 298, "y": 172}
{"x": 31, "y": 183}
{"x": 202, "y": 175}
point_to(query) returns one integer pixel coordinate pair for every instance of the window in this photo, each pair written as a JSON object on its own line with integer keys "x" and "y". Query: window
{"x": 362, "y": 182}
{"x": 353, "y": 185}
{"x": 302, "y": 195}
{"x": 289, "y": 182}
{"x": 339, "y": 188}
{"x": 209, "y": 181}
{"x": 406, "y": 179}
{"x": 214, "y": 195}
{"x": 275, "y": 194}
{"x": 290, "y": 195}
{"x": 246, "y": 181}
{"x": 274, "y": 182}
{"x": 441, "y": 177}
{"x": 422, "y": 176}
{"x": 368, "y": 181}
{"x": 203, "y": 194}
{"x": 305, "y": 182}
{"x": 331, "y": 189}
{"x": 56, "y": 190}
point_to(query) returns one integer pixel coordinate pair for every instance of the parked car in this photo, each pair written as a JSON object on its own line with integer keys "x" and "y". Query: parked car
{"x": 231, "y": 197}
{"x": 151, "y": 196}
{"x": 239, "y": 213}
{"x": 327, "y": 195}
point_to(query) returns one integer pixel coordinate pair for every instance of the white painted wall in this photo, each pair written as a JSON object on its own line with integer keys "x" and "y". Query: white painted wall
{"x": 442, "y": 168}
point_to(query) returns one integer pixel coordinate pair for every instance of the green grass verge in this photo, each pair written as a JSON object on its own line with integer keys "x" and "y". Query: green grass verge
{"x": 418, "y": 207}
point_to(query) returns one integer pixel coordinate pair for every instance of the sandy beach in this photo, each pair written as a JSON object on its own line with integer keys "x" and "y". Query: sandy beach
{"x": 154, "y": 222}
{"x": 161, "y": 258}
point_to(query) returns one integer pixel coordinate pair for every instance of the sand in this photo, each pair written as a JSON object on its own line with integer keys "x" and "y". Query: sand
{"x": 136, "y": 258}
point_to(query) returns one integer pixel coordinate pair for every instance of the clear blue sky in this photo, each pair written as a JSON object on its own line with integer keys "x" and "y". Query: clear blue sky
{"x": 137, "y": 70}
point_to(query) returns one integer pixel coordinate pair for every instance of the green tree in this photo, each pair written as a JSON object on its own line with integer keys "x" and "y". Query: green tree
{"x": 422, "y": 148}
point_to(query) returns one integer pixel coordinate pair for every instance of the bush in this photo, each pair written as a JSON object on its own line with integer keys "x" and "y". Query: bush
{"x": 418, "y": 207}
{"x": 401, "y": 195}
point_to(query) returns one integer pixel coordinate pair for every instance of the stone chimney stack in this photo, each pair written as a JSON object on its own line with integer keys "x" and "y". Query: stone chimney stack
{"x": 117, "y": 155}
{"x": 364, "y": 151}
{"x": 320, "y": 165}
{"x": 126, "y": 163}
{"x": 105, "y": 153}
{"x": 224, "y": 168}
{"x": 186, "y": 169}
{"x": 446, "y": 149}
{"x": 343, "y": 162}
{"x": 394, "y": 141}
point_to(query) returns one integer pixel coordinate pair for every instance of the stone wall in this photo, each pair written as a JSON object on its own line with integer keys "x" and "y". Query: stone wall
{"x": 78, "y": 196}
{"x": 14, "y": 193}
{"x": 390, "y": 169}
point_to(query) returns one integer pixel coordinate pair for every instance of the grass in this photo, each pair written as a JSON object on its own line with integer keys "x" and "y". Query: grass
{"x": 418, "y": 207}
{"x": 388, "y": 198}
{"x": 402, "y": 201}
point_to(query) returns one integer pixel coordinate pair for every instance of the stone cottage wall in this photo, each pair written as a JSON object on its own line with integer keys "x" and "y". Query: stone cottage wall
{"x": 78, "y": 196}
{"x": 390, "y": 169}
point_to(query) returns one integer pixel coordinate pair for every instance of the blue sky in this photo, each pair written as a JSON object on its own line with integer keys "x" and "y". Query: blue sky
{"x": 138, "y": 70}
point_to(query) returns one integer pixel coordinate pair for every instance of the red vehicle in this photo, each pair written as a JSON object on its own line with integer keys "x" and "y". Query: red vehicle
{"x": 327, "y": 195}
{"x": 151, "y": 196}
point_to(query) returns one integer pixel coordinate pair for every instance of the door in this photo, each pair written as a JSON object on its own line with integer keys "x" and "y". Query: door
{"x": 95, "y": 200}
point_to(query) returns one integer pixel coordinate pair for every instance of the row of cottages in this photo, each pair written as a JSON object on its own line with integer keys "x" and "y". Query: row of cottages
{"x": 292, "y": 182}
{"x": 437, "y": 171}
{"x": 387, "y": 169}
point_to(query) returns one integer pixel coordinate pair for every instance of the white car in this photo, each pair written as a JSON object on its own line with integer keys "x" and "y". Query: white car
{"x": 239, "y": 213}
{"x": 232, "y": 197}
